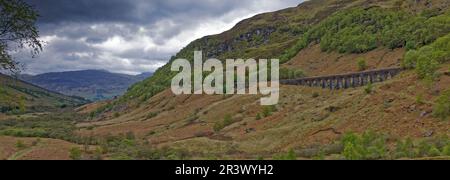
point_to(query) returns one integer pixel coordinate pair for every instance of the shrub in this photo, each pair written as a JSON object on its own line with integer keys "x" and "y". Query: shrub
{"x": 152, "y": 115}
{"x": 92, "y": 115}
{"x": 410, "y": 59}
{"x": 122, "y": 148}
{"x": 286, "y": 73}
{"x": 366, "y": 146}
{"x": 419, "y": 99}
{"x": 319, "y": 156}
{"x": 446, "y": 150}
{"x": 427, "y": 59}
{"x": 75, "y": 153}
{"x": 268, "y": 110}
{"x": 130, "y": 135}
{"x": 351, "y": 152}
{"x": 434, "y": 152}
{"x": 227, "y": 120}
{"x": 151, "y": 133}
{"x": 286, "y": 156}
{"x": 98, "y": 152}
{"x": 362, "y": 65}
{"x": 442, "y": 106}
{"x": 422, "y": 148}
{"x": 20, "y": 144}
{"x": 218, "y": 126}
{"x": 426, "y": 67}
{"x": 369, "y": 88}
{"x": 360, "y": 30}
{"x": 258, "y": 116}
{"x": 405, "y": 148}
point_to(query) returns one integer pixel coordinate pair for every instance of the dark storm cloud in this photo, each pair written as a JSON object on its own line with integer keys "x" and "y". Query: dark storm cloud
{"x": 130, "y": 36}
{"x": 139, "y": 11}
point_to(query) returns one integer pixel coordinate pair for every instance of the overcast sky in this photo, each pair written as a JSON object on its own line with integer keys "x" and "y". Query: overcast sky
{"x": 130, "y": 36}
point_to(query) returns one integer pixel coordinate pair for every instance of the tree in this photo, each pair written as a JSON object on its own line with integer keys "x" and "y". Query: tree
{"x": 17, "y": 31}
{"x": 442, "y": 106}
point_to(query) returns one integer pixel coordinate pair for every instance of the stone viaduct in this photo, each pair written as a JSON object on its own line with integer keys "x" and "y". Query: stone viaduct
{"x": 344, "y": 81}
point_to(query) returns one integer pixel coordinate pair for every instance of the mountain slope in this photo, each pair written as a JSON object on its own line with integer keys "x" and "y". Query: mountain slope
{"x": 17, "y": 96}
{"x": 309, "y": 121}
{"x": 278, "y": 34}
{"x": 90, "y": 84}
{"x": 262, "y": 36}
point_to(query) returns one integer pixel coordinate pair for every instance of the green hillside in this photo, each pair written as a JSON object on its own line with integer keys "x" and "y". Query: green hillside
{"x": 18, "y": 97}
{"x": 345, "y": 26}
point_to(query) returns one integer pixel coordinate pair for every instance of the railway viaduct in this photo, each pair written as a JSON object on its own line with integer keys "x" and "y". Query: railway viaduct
{"x": 344, "y": 81}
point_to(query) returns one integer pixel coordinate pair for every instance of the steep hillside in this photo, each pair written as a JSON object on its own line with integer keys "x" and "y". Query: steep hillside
{"x": 90, "y": 84}
{"x": 262, "y": 36}
{"x": 284, "y": 33}
{"x": 306, "y": 119}
{"x": 20, "y": 97}
{"x": 409, "y": 113}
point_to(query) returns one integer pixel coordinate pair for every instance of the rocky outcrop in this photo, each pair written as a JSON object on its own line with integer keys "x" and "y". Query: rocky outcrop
{"x": 254, "y": 38}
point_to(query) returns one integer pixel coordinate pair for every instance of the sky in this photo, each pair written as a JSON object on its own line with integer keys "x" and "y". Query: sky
{"x": 130, "y": 36}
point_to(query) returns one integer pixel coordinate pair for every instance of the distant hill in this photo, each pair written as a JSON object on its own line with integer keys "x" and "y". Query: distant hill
{"x": 143, "y": 76}
{"x": 17, "y": 96}
{"x": 90, "y": 84}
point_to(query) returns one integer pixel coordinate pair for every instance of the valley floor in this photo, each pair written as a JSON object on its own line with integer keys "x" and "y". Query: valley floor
{"x": 13, "y": 148}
